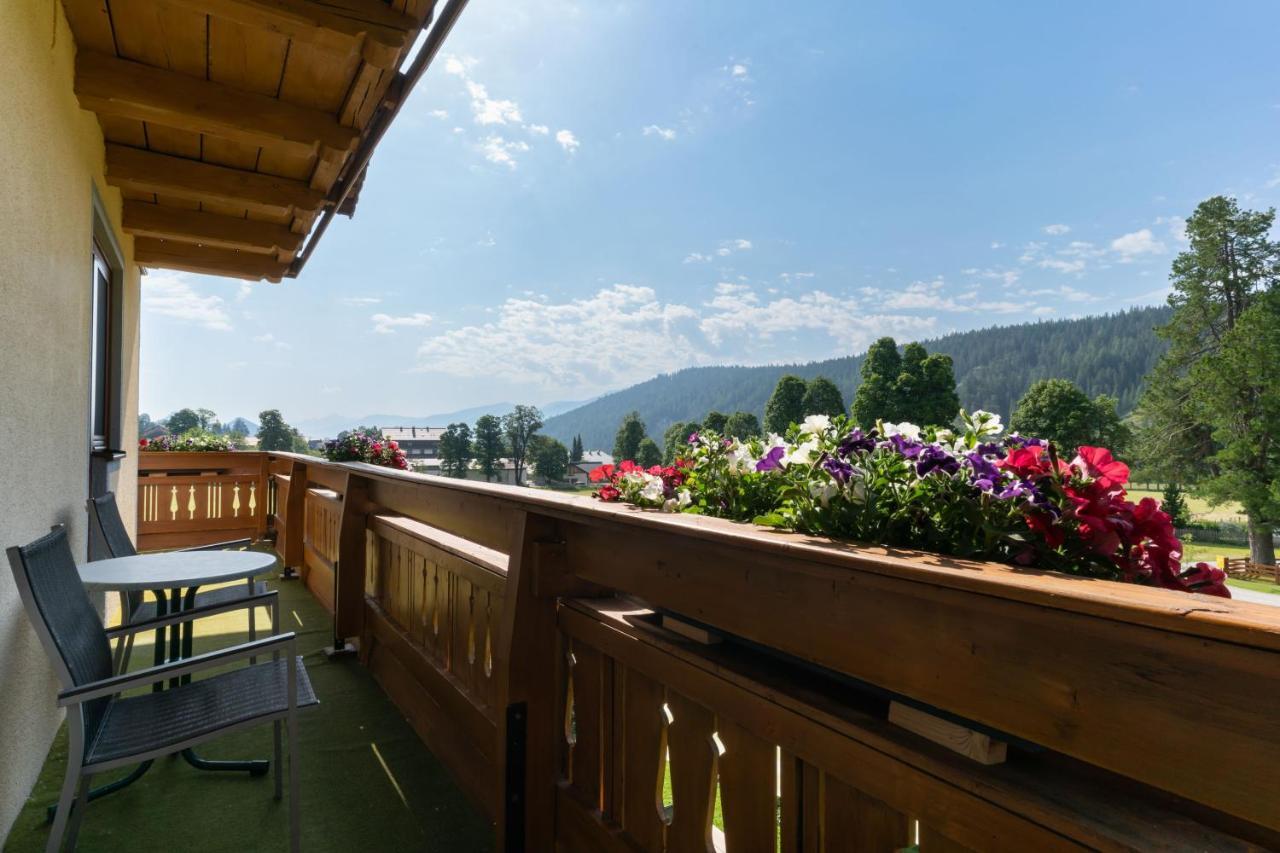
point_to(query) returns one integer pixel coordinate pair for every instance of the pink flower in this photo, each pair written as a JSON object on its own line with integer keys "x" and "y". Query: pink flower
{"x": 1096, "y": 463}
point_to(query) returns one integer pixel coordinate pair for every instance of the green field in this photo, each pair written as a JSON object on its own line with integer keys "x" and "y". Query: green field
{"x": 1199, "y": 507}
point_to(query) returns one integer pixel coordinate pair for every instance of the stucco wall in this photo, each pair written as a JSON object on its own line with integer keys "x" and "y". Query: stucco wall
{"x": 51, "y": 156}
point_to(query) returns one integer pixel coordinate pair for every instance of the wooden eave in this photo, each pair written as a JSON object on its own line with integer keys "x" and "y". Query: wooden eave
{"x": 229, "y": 122}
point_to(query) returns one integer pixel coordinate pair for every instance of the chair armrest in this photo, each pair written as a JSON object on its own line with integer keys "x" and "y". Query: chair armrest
{"x": 219, "y": 546}
{"x": 173, "y": 669}
{"x": 260, "y": 599}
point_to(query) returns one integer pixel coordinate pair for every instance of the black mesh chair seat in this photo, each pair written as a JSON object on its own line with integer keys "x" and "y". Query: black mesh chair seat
{"x": 206, "y": 598}
{"x": 151, "y": 721}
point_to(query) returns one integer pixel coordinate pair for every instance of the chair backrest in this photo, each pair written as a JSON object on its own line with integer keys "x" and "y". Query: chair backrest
{"x": 107, "y": 528}
{"x": 65, "y": 620}
{"x": 106, "y": 524}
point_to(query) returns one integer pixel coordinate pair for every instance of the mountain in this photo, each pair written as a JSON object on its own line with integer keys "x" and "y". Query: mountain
{"x": 330, "y": 425}
{"x": 1107, "y": 354}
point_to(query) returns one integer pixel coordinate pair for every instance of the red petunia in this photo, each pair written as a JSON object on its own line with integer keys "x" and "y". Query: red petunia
{"x": 1097, "y": 464}
{"x": 608, "y": 493}
{"x": 604, "y": 472}
{"x": 1029, "y": 463}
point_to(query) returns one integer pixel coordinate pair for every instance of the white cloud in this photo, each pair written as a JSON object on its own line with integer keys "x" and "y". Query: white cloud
{"x": 667, "y": 133}
{"x": 626, "y": 333}
{"x": 738, "y": 70}
{"x": 386, "y": 324}
{"x": 459, "y": 66}
{"x": 486, "y": 110}
{"x": 1073, "y": 266}
{"x": 1057, "y": 230}
{"x": 567, "y": 140}
{"x": 741, "y": 245}
{"x": 539, "y": 129}
{"x": 170, "y": 294}
{"x": 499, "y": 150}
{"x": 995, "y": 244}
{"x": 930, "y": 296}
{"x": 696, "y": 258}
{"x": 440, "y": 114}
{"x": 1177, "y": 228}
{"x": 272, "y": 340}
{"x": 360, "y": 300}
{"x": 1137, "y": 243}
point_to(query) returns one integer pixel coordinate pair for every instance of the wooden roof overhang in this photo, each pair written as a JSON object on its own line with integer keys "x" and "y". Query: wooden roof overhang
{"x": 233, "y": 127}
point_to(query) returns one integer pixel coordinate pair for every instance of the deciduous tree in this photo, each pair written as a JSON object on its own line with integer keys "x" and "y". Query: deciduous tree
{"x": 648, "y": 453}
{"x": 626, "y": 444}
{"x": 877, "y": 396}
{"x": 1058, "y": 411}
{"x": 742, "y": 425}
{"x": 550, "y": 458}
{"x": 821, "y": 397}
{"x": 455, "y": 450}
{"x": 520, "y": 426}
{"x": 487, "y": 445}
{"x": 273, "y": 432}
{"x": 676, "y": 439}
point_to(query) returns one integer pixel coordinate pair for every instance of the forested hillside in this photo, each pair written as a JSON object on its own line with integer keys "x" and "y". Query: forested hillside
{"x": 1108, "y": 354}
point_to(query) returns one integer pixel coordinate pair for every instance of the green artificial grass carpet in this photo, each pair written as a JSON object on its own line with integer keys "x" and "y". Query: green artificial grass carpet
{"x": 368, "y": 783}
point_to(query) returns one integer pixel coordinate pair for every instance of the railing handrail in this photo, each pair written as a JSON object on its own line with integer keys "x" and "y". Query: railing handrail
{"x": 1236, "y": 621}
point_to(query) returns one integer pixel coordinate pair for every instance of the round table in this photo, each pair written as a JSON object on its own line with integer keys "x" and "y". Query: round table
{"x": 174, "y": 570}
{"x": 174, "y": 577}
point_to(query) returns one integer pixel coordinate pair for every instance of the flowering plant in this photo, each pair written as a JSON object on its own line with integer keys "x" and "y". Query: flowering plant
{"x": 200, "y": 442}
{"x": 363, "y": 447}
{"x": 970, "y": 493}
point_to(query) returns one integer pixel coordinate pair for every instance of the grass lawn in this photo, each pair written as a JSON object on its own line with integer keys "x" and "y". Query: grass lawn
{"x": 1198, "y": 507}
{"x": 1257, "y": 586}
{"x": 1209, "y": 552}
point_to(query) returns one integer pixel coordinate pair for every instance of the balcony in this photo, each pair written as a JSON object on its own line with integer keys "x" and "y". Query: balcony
{"x": 850, "y": 698}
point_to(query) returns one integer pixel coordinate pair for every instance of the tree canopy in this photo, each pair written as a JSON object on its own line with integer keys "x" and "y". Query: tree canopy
{"x": 648, "y": 454}
{"x": 913, "y": 386}
{"x": 273, "y": 432}
{"x": 786, "y": 405}
{"x": 821, "y": 397}
{"x": 550, "y": 458}
{"x": 676, "y": 438}
{"x": 455, "y": 450}
{"x": 742, "y": 425}
{"x": 626, "y": 444}
{"x": 1058, "y": 411}
{"x": 521, "y": 424}
{"x": 1212, "y": 409}
{"x": 575, "y": 449}
{"x": 487, "y": 445}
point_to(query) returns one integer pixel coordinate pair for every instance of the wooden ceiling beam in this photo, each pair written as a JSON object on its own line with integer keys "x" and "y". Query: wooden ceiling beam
{"x": 379, "y": 32}
{"x": 117, "y": 87}
{"x": 169, "y": 254}
{"x": 208, "y": 229}
{"x": 177, "y": 177}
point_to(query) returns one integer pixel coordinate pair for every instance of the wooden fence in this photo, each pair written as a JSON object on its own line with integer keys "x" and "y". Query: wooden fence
{"x": 528, "y": 637}
{"x": 200, "y": 498}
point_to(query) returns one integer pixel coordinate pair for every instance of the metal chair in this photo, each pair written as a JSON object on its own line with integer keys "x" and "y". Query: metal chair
{"x": 107, "y": 730}
{"x": 106, "y": 525}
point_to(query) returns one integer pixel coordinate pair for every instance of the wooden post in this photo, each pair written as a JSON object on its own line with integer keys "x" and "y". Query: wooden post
{"x": 348, "y": 582}
{"x": 294, "y": 548}
{"x": 528, "y": 693}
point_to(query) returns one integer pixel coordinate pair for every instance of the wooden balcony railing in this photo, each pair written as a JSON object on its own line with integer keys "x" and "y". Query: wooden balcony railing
{"x": 522, "y": 633}
{"x": 200, "y": 498}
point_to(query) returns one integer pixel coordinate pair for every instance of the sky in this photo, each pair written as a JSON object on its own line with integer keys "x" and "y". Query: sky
{"x": 581, "y": 195}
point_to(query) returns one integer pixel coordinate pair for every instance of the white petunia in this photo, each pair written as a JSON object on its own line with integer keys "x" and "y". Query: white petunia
{"x": 802, "y": 454}
{"x": 987, "y": 423}
{"x": 653, "y": 488}
{"x": 741, "y": 460}
{"x": 815, "y": 425}
{"x": 823, "y": 491}
{"x": 904, "y": 429}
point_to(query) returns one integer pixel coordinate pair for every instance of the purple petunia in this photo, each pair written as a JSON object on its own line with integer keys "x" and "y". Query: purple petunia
{"x": 985, "y": 473}
{"x": 840, "y": 470}
{"x": 857, "y": 442}
{"x": 934, "y": 458}
{"x": 908, "y": 448}
{"x": 772, "y": 460}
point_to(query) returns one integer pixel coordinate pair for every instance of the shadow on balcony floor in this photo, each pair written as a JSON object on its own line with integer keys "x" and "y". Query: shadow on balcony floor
{"x": 368, "y": 783}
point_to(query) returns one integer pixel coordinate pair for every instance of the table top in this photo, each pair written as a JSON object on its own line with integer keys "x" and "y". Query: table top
{"x": 174, "y": 569}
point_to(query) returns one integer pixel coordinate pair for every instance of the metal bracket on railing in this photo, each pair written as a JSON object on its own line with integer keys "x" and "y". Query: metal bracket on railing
{"x": 513, "y": 789}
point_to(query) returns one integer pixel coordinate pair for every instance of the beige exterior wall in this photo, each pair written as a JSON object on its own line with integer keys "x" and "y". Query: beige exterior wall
{"x": 51, "y": 158}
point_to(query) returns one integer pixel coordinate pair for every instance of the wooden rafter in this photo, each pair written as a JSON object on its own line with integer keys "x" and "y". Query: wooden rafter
{"x": 208, "y": 229}
{"x": 117, "y": 87}
{"x": 149, "y": 172}
{"x": 149, "y": 252}
{"x": 378, "y": 31}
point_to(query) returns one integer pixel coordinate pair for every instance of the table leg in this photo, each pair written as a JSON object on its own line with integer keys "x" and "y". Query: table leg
{"x": 254, "y": 766}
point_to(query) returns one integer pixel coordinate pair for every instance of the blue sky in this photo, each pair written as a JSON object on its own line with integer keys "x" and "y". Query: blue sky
{"x": 581, "y": 195}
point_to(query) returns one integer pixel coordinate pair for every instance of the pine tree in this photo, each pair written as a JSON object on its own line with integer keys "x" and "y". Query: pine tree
{"x": 821, "y": 397}
{"x": 937, "y": 403}
{"x": 1175, "y": 505}
{"x": 742, "y": 426}
{"x": 648, "y": 453}
{"x": 575, "y": 450}
{"x": 877, "y": 396}
{"x": 676, "y": 439}
{"x": 786, "y": 406}
{"x": 626, "y": 444}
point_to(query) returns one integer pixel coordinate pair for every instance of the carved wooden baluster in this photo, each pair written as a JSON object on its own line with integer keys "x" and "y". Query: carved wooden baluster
{"x": 173, "y": 504}
{"x": 748, "y": 790}
{"x": 253, "y": 499}
{"x": 693, "y": 775}
{"x": 853, "y": 820}
{"x": 235, "y": 500}
{"x": 588, "y": 750}
{"x": 644, "y": 746}
{"x": 191, "y": 502}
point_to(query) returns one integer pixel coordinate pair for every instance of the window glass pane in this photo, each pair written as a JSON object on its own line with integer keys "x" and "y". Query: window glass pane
{"x": 100, "y": 362}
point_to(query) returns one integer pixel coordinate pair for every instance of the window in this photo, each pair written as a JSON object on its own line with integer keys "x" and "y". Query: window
{"x": 100, "y": 351}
